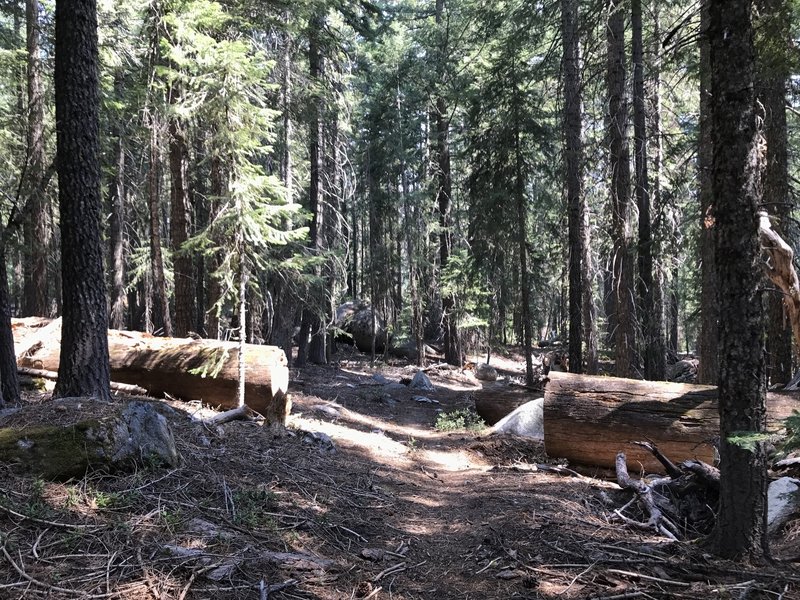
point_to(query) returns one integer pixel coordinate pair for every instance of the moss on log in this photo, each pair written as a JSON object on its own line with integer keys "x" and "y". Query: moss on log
{"x": 112, "y": 438}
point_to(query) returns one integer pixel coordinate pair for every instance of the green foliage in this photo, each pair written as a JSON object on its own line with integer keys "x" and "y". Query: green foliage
{"x": 791, "y": 440}
{"x": 460, "y": 419}
{"x": 249, "y": 506}
{"x": 747, "y": 440}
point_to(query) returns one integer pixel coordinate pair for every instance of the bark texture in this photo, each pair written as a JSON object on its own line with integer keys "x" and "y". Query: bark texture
{"x": 589, "y": 419}
{"x": 708, "y": 344}
{"x": 37, "y": 224}
{"x": 573, "y": 156}
{"x": 622, "y": 263}
{"x": 83, "y": 368}
{"x": 740, "y": 531}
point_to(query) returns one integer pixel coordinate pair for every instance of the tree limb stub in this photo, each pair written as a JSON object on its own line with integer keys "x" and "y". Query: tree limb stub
{"x": 779, "y": 268}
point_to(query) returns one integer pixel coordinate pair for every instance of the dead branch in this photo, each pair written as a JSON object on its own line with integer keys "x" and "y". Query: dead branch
{"x": 779, "y": 268}
{"x": 243, "y": 413}
{"x": 657, "y": 519}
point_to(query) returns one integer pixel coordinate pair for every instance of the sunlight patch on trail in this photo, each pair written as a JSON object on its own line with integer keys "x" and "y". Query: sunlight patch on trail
{"x": 383, "y": 448}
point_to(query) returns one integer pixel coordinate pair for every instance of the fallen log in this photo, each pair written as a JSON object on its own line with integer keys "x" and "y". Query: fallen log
{"x": 125, "y": 388}
{"x": 188, "y": 369}
{"x": 70, "y": 436}
{"x": 589, "y": 419}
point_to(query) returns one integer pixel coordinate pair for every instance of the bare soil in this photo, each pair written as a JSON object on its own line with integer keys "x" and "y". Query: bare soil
{"x": 361, "y": 497}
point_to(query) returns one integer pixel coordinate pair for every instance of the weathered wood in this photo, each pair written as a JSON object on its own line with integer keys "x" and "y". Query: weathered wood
{"x": 30, "y": 333}
{"x": 125, "y": 388}
{"x": 588, "y": 420}
{"x": 189, "y": 369}
{"x": 497, "y": 399}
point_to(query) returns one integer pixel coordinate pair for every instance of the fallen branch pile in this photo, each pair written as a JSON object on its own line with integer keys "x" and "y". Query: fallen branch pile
{"x": 680, "y": 505}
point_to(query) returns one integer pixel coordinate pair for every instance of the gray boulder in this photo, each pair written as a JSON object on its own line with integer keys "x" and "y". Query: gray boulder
{"x": 420, "y": 381}
{"x": 526, "y": 420}
{"x": 485, "y": 372}
{"x": 783, "y": 502}
{"x": 354, "y": 318}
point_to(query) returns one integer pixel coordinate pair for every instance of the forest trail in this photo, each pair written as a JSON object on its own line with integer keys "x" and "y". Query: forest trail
{"x": 361, "y": 497}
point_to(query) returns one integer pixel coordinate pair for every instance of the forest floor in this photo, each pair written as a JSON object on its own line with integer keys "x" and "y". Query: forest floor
{"x": 361, "y": 497}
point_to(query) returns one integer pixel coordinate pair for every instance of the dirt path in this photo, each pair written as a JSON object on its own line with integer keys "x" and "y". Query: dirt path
{"x": 361, "y": 498}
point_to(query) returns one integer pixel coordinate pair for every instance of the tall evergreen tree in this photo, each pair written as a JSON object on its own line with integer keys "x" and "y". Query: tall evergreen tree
{"x": 83, "y": 366}
{"x": 622, "y": 263}
{"x": 741, "y": 521}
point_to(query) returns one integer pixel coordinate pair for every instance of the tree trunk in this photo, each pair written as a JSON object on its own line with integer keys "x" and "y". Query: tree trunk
{"x": 116, "y": 238}
{"x": 452, "y": 347}
{"x": 740, "y": 531}
{"x": 653, "y": 338}
{"x": 190, "y": 369}
{"x": 179, "y": 221}
{"x": 708, "y": 345}
{"x": 576, "y": 209}
{"x": 773, "y": 75}
{"x": 317, "y": 347}
{"x": 37, "y": 224}
{"x": 162, "y": 324}
{"x": 587, "y": 420}
{"x": 622, "y": 259}
{"x": 83, "y": 368}
{"x": 9, "y": 379}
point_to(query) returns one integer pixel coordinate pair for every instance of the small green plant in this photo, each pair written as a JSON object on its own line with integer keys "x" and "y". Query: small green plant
{"x": 250, "y": 504}
{"x": 460, "y": 419}
{"x": 36, "y": 504}
{"x": 172, "y": 519}
{"x": 412, "y": 444}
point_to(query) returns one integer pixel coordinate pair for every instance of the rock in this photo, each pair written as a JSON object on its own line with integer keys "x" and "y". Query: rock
{"x": 395, "y": 387}
{"x": 322, "y": 440}
{"x": 783, "y": 502}
{"x": 408, "y": 350}
{"x": 424, "y": 400}
{"x": 420, "y": 381}
{"x": 485, "y": 372}
{"x": 683, "y": 371}
{"x": 380, "y": 379}
{"x": 143, "y": 434}
{"x": 526, "y": 420}
{"x": 355, "y": 320}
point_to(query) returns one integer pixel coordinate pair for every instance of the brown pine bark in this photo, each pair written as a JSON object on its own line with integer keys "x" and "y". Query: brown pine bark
{"x": 653, "y": 350}
{"x": 83, "y": 367}
{"x": 740, "y": 530}
{"x": 444, "y": 192}
{"x": 180, "y": 221}
{"x": 708, "y": 369}
{"x": 619, "y": 152}
{"x": 316, "y": 327}
{"x": 116, "y": 239}
{"x": 37, "y": 230}
{"x": 573, "y": 154}
{"x": 772, "y": 77}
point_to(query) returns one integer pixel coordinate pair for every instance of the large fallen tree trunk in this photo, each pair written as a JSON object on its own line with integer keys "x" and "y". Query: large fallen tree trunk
{"x": 189, "y": 369}
{"x": 588, "y": 420}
